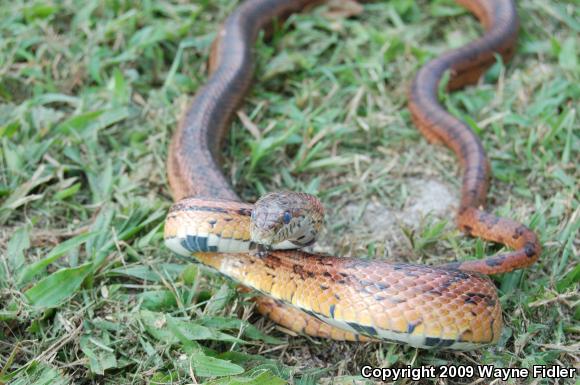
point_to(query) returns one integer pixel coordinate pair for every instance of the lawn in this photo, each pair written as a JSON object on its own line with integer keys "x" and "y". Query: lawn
{"x": 90, "y": 93}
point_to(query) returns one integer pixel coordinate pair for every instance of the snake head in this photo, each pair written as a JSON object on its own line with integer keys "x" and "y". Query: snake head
{"x": 286, "y": 216}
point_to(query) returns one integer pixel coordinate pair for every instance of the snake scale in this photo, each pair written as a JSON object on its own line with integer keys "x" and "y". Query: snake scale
{"x": 453, "y": 306}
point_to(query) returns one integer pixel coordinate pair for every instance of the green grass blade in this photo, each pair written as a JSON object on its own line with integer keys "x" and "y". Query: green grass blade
{"x": 30, "y": 271}
{"x": 57, "y": 287}
{"x": 205, "y": 366}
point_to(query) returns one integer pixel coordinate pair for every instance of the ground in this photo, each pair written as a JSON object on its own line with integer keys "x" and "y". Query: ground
{"x": 90, "y": 93}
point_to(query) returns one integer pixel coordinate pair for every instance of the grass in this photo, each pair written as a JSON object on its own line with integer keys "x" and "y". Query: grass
{"x": 90, "y": 93}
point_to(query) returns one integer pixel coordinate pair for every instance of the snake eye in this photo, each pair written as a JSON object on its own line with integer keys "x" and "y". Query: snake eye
{"x": 287, "y": 217}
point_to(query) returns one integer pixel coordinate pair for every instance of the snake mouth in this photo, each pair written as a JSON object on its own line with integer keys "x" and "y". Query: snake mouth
{"x": 264, "y": 237}
{"x": 304, "y": 241}
{"x": 272, "y": 240}
{"x": 285, "y": 237}
{"x": 284, "y": 245}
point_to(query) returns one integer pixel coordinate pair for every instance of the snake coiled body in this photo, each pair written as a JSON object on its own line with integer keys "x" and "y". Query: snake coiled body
{"x": 453, "y": 306}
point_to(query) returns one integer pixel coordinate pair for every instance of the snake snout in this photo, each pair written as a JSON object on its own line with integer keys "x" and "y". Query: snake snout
{"x": 286, "y": 217}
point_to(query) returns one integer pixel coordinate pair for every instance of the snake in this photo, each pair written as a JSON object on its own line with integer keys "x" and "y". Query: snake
{"x": 451, "y": 306}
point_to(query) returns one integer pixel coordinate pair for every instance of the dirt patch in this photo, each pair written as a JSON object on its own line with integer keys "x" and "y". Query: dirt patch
{"x": 376, "y": 224}
{"x": 428, "y": 197}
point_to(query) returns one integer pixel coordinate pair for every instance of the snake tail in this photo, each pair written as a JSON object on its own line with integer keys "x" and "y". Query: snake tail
{"x": 466, "y": 65}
